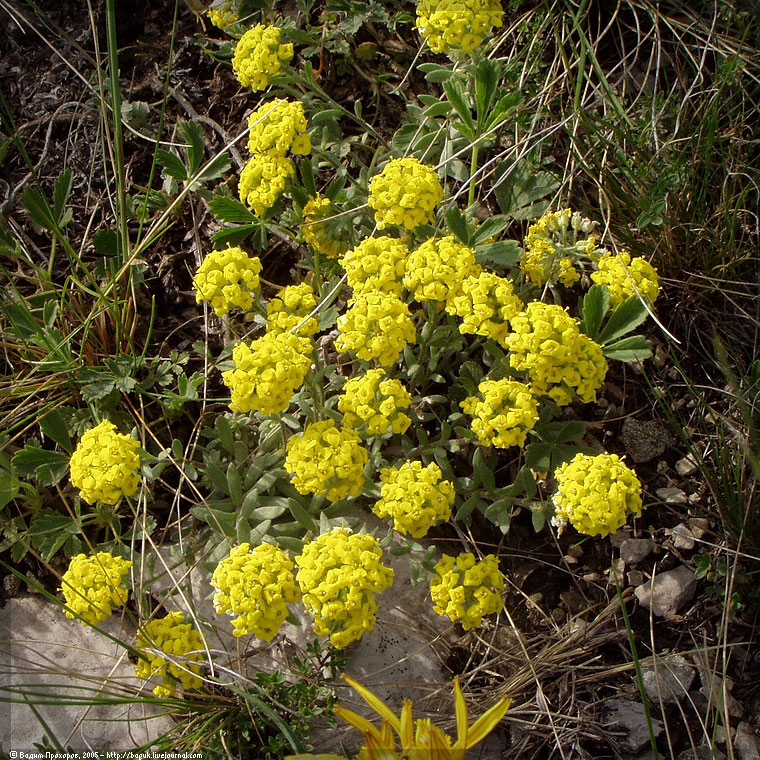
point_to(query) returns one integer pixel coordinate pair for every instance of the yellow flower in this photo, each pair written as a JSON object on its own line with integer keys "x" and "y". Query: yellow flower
{"x": 457, "y": 24}
{"x": 227, "y": 278}
{"x": 279, "y": 126}
{"x": 259, "y": 56}
{"x": 324, "y": 237}
{"x": 268, "y": 372}
{"x": 415, "y": 497}
{"x": 176, "y": 638}
{"x": 327, "y": 460}
{"x": 485, "y": 303}
{"x": 420, "y": 739}
{"x": 256, "y": 585}
{"x": 376, "y": 264}
{"x": 465, "y": 590}
{"x": 626, "y": 277}
{"x": 507, "y": 411}
{"x": 339, "y": 574}
{"x": 375, "y": 326}
{"x": 372, "y": 405}
{"x": 263, "y": 180}
{"x": 290, "y": 308}
{"x": 551, "y": 245}
{"x": 105, "y": 465}
{"x": 545, "y": 341}
{"x": 405, "y": 193}
{"x": 595, "y": 494}
{"x": 92, "y": 586}
{"x": 437, "y": 269}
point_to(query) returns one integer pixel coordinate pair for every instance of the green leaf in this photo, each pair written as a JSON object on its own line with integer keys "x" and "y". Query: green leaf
{"x": 634, "y": 348}
{"x": 538, "y": 456}
{"x": 456, "y": 96}
{"x": 173, "y": 165}
{"x": 487, "y": 77}
{"x": 468, "y": 507}
{"x": 10, "y": 485}
{"x": 442, "y": 108}
{"x": 490, "y": 228}
{"x": 48, "y": 467}
{"x": 500, "y": 514}
{"x": 595, "y": 305}
{"x": 258, "y": 534}
{"x": 518, "y": 187}
{"x": 234, "y": 235}
{"x": 483, "y": 472}
{"x": 560, "y": 432}
{"x": 50, "y": 530}
{"x": 53, "y": 425}
{"x": 301, "y": 515}
{"x": 192, "y": 133}
{"x": 234, "y": 485}
{"x": 38, "y": 208}
{"x": 538, "y": 518}
{"x": 457, "y": 223}
{"x": 626, "y": 317}
{"x": 501, "y": 110}
{"x": 106, "y": 242}
{"x": 61, "y": 193}
{"x": 307, "y": 176}
{"x": 503, "y": 254}
{"x": 214, "y": 169}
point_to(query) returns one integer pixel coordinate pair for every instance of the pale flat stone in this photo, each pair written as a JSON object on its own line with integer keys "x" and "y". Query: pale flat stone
{"x": 672, "y": 590}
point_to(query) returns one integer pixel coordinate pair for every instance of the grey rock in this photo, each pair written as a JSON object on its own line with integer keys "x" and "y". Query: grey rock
{"x": 634, "y": 550}
{"x": 671, "y": 591}
{"x": 670, "y": 677}
{"x": 629, "y": 717}
{"x": 686, "y": 466}
{"x": 672, "y": 495}
{"x": 745, "y": 743}
{"x": 682, "y": 537}
{"x": 643, "y": 440}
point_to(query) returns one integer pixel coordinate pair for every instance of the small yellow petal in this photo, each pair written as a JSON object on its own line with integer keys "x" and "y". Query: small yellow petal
{"x": 375, "y": 703}
{"x": 461, "y": 712}
{"x": 357, "y": 721}
{"x": 487, "y": 722}
{"x": 407, "y": 726}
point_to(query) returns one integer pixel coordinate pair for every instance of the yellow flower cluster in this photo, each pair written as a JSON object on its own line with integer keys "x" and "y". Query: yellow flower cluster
{"x": 375, "y": 326}
{"x": 325, "y": 459}
{"x": 415, "y": 497}
{"x": 339, "y": 574}
{"x": 221, "y": 17}
{"x": 405, "y": 193}
{"x": 545, "y": 342}
{"x": 227, "y": 278}
{"x": 550, "y": 245}
{"x": 373, "y": 405}
{"x": 259, "y": 56}
{"x": 485, "y": 303}
{"x": 466, "y": 590}
{"x": 626, "y": 277}
{"x": 320, "y": 235}
{"x": 177, "y": 639}
{"x": 289, "y": 308}
{"x": 105, "y": 465}
{"x": 263, "y": 180}
{"x": 267, "y": 372}
{"x": 596, "y": 494}
{"x": 503, "y": 415}
{"x": 377, "y": 263}
{"x": 457, "y": 24}
{"x": 92, "y": 586}
{"x": 256, "y": 585}
{"x": 279, "y": 126}
{"x": 436, "y": 270}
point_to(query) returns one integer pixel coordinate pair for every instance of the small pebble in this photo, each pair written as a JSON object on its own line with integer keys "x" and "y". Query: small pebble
{"x": 682, "y": 537}
{"x": 686, "y": 466}
{"x": 633, "y": 550}
{"x": 672, "y": 495}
